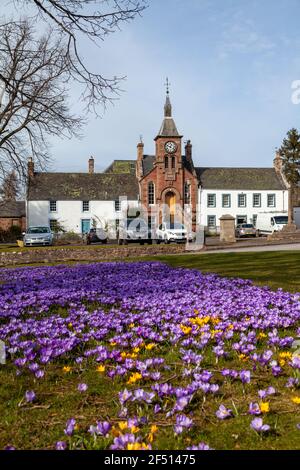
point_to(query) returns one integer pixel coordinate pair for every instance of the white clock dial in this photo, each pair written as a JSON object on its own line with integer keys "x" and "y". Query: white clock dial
{"x": 170, "y": 147}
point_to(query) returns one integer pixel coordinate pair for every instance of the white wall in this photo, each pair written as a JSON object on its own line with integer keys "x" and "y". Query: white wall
{"x": 234, "y": 210}
{"x": 70, "y": 213}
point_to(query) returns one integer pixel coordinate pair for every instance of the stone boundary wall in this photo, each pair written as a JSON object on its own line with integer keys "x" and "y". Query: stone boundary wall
{"x": 61, "y": 255}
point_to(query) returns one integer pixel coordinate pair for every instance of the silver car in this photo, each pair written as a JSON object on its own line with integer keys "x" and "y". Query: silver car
{"x": 38, "y": 236}
{"x": 245, "y": 230}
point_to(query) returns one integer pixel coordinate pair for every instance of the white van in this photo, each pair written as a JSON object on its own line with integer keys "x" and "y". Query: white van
{"x": 270, "y": 222}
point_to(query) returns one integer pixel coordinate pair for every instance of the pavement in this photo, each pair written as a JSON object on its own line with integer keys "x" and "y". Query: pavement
{"x": 281, "y": 247}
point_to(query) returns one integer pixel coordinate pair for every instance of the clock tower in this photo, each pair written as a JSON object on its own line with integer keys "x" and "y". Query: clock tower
{"x": 167, "y": 180}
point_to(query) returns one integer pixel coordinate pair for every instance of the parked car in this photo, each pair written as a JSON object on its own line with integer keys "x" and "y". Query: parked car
{"x": 171, "y": 232}
{"x": 245, "y": 230}
{"x": 133, "y": 230}
{"x": 96, "y": 235}
{"x": 268, "y": 222}
{"x": 38, "y": 236}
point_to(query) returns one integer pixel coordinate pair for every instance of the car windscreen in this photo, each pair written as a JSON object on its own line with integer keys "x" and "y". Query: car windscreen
{"x": 38, "y": 230}
{"x": 281, "y": 219}
{"x": 136, "y": 224}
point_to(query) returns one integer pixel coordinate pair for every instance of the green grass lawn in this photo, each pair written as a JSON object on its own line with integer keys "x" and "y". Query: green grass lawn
{"x": 277, "y": 269}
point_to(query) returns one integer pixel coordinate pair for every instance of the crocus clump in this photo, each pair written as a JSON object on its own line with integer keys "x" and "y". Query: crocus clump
{"x": 171, "y": 342}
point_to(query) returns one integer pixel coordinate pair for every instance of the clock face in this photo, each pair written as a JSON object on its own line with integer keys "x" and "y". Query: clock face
{"x": 170, "y": 147}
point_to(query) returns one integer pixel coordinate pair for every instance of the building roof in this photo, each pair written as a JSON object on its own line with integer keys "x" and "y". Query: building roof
{"x": 12, "y": 209}
{"x": 168, "y": 127}
{"x": 121, "y": 166}
{"x": 83, "y": 186}
{"x": 240, "y": 178}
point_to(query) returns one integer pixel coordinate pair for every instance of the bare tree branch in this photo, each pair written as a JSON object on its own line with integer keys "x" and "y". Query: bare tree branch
{"x": 74, "y": 20}
{"x": 33, "y": 75}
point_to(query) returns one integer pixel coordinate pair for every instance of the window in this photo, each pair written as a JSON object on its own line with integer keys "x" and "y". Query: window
{"x": 271, "y": 200}
{"x": 254, "y": 219}
{"x": 85, "y": 206}
{"x": 166, "y": 162}
{"x": 187, "y": 193}
{"x": 151, "y": 193}
{"x": 53, "y": 225}
{"x": 226, "y": 200}
{"x": 241, "y": 219}
{"x": 211, "y": 221}
{"x": 242, "y": 200}
{"x": 151, "y": 222}
{"x": 173, "y": 162}
{"x": 117, "y": 205}
{"x": 256, "y": 200}
{"x": 52, "y": 205}
{"x": 211, "y": 200}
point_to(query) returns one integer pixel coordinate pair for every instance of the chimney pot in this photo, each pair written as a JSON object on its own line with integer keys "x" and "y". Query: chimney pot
{"x": 30, "y": 168}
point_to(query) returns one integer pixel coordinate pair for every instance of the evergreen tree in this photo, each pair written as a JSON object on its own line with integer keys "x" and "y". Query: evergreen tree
{"x": 290, "y": 156}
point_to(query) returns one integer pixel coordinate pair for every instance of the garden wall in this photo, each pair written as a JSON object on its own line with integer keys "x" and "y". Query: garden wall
{"x": 54, "y": 255}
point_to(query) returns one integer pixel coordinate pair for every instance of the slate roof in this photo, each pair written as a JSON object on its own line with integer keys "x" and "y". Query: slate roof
{"x": 240, "y": 178}
{"x": 121, "y": 166}
{"x": 168, "y": 128}
{"x": 12, "y": 209}
{"x": 83, "y": 186}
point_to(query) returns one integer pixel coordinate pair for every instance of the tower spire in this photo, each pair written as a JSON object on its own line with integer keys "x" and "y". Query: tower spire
{"x": 168, "y": 106}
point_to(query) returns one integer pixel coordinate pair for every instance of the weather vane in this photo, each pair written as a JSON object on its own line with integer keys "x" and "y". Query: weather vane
{"x": 167, "y": 85}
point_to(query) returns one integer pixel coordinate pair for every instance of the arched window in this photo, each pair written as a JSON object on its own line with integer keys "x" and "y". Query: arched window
{"x": 187, "y": 193}
{"x": 166, "y": 162}
{"x": 173, "y": 162}
{"x": 151, "y": 193}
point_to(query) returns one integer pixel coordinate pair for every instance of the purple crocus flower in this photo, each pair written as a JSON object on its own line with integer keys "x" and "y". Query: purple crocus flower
{"x": 201, "y": 446}
{"x": 223, "y": 412}
{"x": 70, "y": 426}
{"x": 182, "y": 422}
{"x": 254, "y": 409}
{"x": 258, "y": 425}
{"x": 61, "y": 445}
{"x": 8, "y": 447}
{"x": 30, "y": 396}
{"x": 245, "y": 376}
{"x": 82, "y": 387}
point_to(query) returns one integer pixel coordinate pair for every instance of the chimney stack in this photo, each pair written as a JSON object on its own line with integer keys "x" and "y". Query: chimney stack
{"x": 140, "y": 155}
{"x": 30, "y": 168}
{"x": 188, "y": 150}
{"x": 91, "y": 165}
{"x": 277, "y": 163}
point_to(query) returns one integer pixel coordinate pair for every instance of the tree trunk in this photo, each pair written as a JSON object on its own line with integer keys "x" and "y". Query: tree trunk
{"x": 290, "y": 208}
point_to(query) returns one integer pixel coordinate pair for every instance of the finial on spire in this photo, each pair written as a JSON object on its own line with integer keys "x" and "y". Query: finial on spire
{"x": 167, "y": 85}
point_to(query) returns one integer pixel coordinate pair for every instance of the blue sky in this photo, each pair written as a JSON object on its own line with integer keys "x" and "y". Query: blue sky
{"x": 231, "y": 64}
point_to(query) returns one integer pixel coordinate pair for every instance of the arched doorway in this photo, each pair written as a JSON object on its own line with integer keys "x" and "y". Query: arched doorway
{"x": 170, "y": 201}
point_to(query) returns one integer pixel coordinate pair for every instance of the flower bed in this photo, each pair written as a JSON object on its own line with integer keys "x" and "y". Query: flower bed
{"x": 145, "y": 356}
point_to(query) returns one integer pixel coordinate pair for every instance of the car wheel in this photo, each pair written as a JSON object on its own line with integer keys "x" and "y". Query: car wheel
{"x": 158, "y": 241}
{"x": 120, "y": 241}
{"x": 166, "y": 240}
{"x": 125, "y": 242}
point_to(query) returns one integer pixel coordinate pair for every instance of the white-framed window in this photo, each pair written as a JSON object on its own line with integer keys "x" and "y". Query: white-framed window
{"x": 117, "y": 205}
{"x": 226, "y": 200}
{"x": 257, "y": 200}
{"x": 254, "y": 219}
{"x": 211, "y": 221}
{"x": 53, "y": 225}
{"x": 211, "y": 200}
{"x": 242, "y": 200}
{"x": 85, "y": 206}
{"x": 52, "y": 206}
{"x": 271, "y": 198}
{"x": 151, "y": 197}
